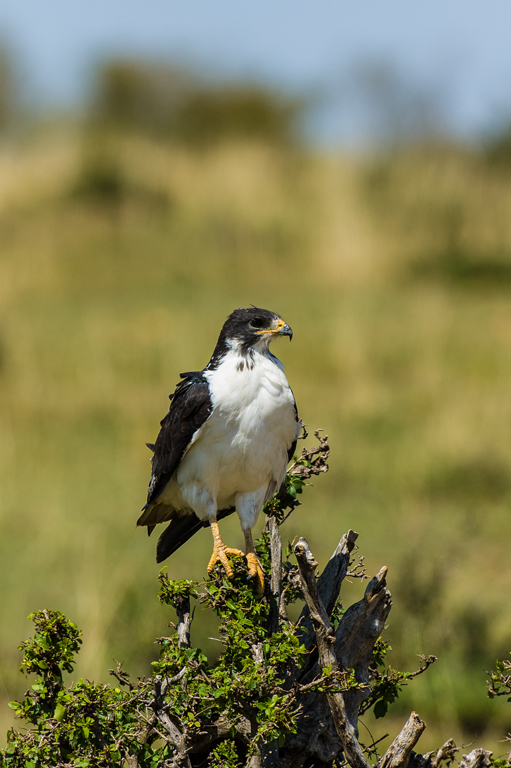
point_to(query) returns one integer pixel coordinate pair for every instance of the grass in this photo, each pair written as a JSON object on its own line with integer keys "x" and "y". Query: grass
{"x": 116, "y": 274}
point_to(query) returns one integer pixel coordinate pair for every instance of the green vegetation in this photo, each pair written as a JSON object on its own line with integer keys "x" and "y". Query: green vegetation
{"x": 110, "y": 288}
{"x": 252, "y": 701}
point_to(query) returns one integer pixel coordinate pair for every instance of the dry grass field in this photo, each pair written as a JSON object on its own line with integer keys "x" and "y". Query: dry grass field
{"x": 120, "y": 259}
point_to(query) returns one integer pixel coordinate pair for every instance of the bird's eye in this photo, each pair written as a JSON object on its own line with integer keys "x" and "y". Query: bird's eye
{"x": 257, "y": 323}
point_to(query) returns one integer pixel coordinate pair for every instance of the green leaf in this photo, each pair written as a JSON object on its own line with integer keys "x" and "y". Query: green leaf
{"x": 380, "y": 709}
{"x": 59, "y": 713}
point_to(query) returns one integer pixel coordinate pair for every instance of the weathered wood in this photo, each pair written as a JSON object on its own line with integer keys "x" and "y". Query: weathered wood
{"x": 360, "y": 627}
{"x": 174, "y": 735}
{"x": 184, "y": 618}
{"x": 276, "y": 559}
{"x": 447, "y": 752}
{"x": 355, "y": 637}
{"x": 276, "y": 574}
{"x": 478, "y": 758}
{"x": 329, "y": 585}
{"x": 325, "y": 639}
{"x": 398, "y": 753}
{"x": 316, "y": 733}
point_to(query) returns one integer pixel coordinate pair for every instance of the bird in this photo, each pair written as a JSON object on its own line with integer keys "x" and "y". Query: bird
{"x": 225, "y": 443}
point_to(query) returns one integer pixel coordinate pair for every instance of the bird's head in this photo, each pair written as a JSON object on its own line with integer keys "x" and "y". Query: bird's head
{"x": 253, "y": 328}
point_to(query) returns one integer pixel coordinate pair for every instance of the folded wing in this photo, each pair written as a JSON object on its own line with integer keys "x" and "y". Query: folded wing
{"x": 190, "y": 408}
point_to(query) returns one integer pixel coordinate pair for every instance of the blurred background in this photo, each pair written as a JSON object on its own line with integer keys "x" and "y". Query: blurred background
{"x": 346, "y": 165}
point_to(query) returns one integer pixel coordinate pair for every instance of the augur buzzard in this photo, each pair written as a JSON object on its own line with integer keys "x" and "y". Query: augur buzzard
{"x": 225, "y": 442}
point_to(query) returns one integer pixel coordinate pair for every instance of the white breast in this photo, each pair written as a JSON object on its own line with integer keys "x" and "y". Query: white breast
{"x": 243, "y": 446}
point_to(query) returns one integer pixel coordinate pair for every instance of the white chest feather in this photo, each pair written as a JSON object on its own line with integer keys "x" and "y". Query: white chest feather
{"x": 242, "y": 448}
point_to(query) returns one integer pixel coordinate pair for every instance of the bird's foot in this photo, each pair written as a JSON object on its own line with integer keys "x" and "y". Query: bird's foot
{"x": 220, "y": 552}
{"x": 255, "y": 572}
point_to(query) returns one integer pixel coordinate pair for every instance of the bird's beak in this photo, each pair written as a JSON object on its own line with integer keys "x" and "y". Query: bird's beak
{"x": 285, "y": 331}
{"x": 282, "y": 329}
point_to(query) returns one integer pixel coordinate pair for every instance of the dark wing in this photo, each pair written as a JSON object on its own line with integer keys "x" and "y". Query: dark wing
{"x": 292, "y": 449}
{"x": 190, "y": 407}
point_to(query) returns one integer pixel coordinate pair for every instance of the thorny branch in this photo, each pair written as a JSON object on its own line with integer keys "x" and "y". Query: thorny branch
{"x": 316, "y": 457}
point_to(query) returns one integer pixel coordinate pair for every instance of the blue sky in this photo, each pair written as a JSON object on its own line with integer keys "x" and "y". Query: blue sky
{"x": 460, "y": 48}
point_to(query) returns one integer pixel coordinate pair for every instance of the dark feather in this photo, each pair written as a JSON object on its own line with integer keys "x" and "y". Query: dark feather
{"x": 180, "y": 529}
{"x": 292, "y": 449}
{"x": 190, "y": 407}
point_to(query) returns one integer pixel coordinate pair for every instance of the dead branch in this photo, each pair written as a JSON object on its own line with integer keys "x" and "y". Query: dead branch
{"x": 478, "y": 758}
{"x": 182, "y": 607}
{"x": 329, "y": 584}
{"x": 325, "y": 638}
{"x": 276, "y": 574}
{"x": 401, "y": 748}
{"x": 446, "y": 753}
{"x": 176, "y": 738}
{"x": 316, "y": 457}
{"x": 360, "y": 627}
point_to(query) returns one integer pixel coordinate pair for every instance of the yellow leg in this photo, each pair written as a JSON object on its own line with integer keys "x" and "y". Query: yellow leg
{"x": 220, "y": 551}
{"x": 254, "y": 569}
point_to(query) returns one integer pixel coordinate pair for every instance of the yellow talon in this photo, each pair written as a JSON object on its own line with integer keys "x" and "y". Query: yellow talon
{"x": 220, "y": 551}
{"x": 256, "y": 572}
{"x": 219, "y": 555}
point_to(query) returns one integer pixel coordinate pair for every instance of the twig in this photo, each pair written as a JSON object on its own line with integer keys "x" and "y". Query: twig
{"x": 315, "y": 456}
{"x": 426, "y": 662}
{"x": 370, "y": 748}
{"x": 121, "y": 676}
{"x": 313, "y": 684}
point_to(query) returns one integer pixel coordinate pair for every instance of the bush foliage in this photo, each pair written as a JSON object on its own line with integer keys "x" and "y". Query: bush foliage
{"x": 223, "y": 712}
{"x": 241, "y": 709}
